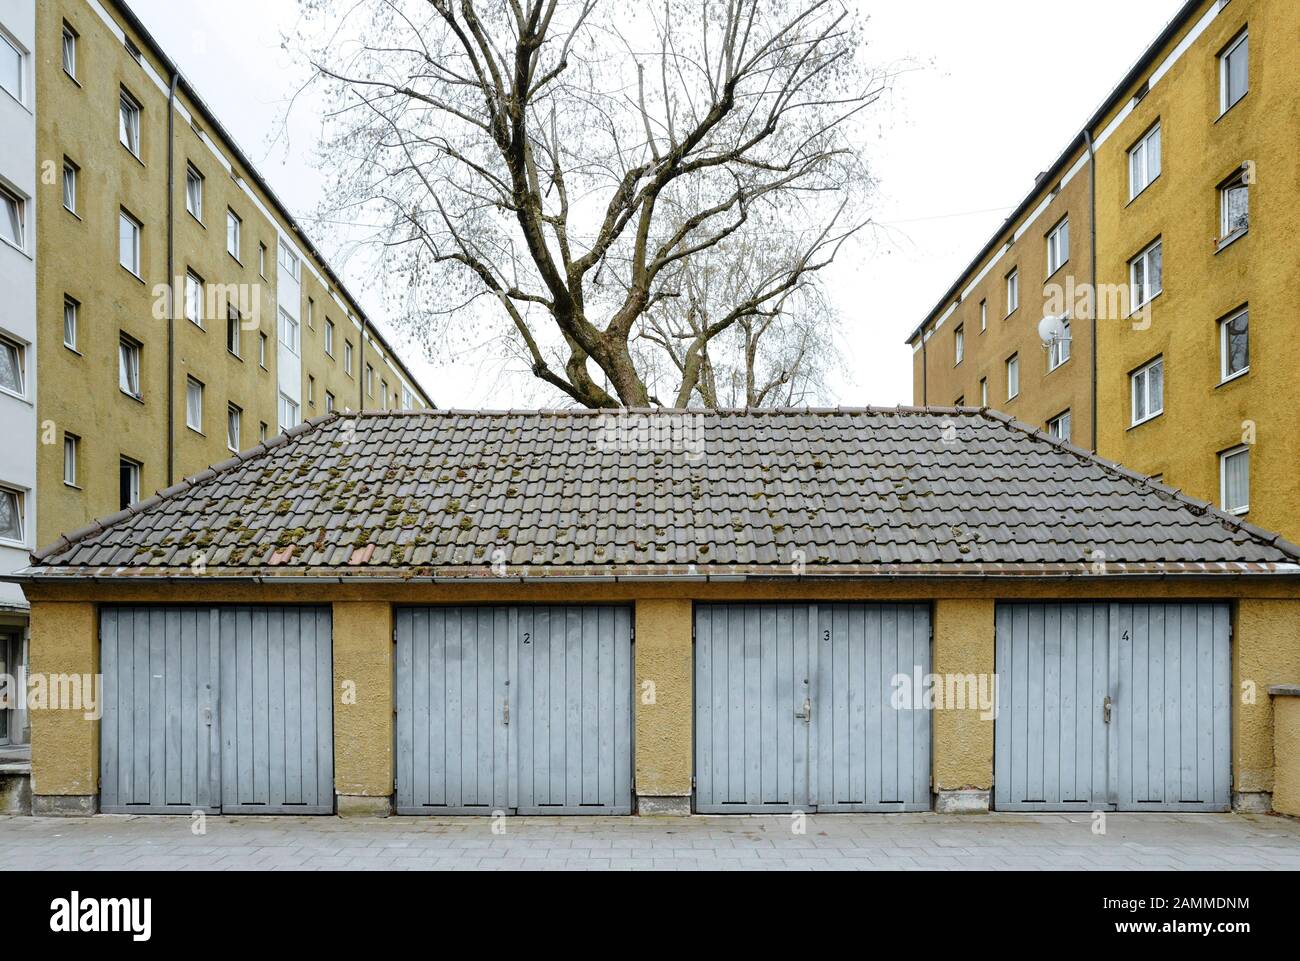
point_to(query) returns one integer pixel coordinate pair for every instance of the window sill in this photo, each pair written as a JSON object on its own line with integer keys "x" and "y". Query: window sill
{"x": 73, "y": 212}
{"x": 231, "y": 353}
{"x": 135, "y": 156}
{"x": 1052, "y": 370}
{"x": 1146, "y": 420}
{"x": 73, "y": 79}
{"x": 13, "y": 246}
{"x": 72, "y": 487}
{"x": 1227, "y": 110}
{"x": 194, "y": 430}
{"x": 1142, "y": 192}
{"x": 196, "y": 218}
{"x": 132, "y": 273}
{"x": 138, "y": 398}
{"x": 1234, "y": 377}
{"x": 1065, "y": 263}
{"x": 6, "y": 542}
{"x": 6, "y": 392}
{"x": 1145, "y": 304}
{"x": 1229, "y": 240}
{"x": 234, "y": 258}
{"x": 72, "y": 350}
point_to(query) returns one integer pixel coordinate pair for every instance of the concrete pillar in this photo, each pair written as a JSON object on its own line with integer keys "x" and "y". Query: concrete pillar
{"x": 1265, "y": 653}
{"x": 963, "y": 735}
{"x": 363, "y": 708}
{"x": 65, "y": 744}
{"x": 663, "y": 703}
{"x": 1286, "y": 748}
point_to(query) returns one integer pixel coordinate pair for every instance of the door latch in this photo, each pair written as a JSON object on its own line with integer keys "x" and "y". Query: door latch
{"x": 207, "y": 716}
{"x": 806, "y": 713}
{"x": 1105, "y": 709}
{"x": 505, "y": 712}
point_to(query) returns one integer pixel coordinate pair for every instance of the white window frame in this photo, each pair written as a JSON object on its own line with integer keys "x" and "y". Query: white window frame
{"x": 194, "y": 182}
{"x": 20, "y": 514}
{"x": 1013, "y": 291}
{"x": 71, "y": 449}
{"x": 69, "y": 50}
{"x": 959, "y": 344}
{"x": 290, "y": 262}
{"x": 1238, "y": 509}
{"x": 129, "y": 361}
{"x": 329, "y": 402}
{"x": 194, "y": 404}
{"x": 234, "y": 232}
{"x": 20, "y": 366}
{"x": 311, "y": 390}
{"x": 1058, "y": 246}
{"x": 194, "y": 298}
{"x": 1061, "y": 426}
{"x": 329, "y": 337}
{"x": 370, "y": 380}
{"x": 234, "y": 332}
{"x": 289, "y": 331}
{"x": 1225, "y": 355}
{"x": 261, "y": 260}
{"x": 261, "y": 350}
{"x": 70, "y": 171}
{"x": 124, "y": 220}
{"x": 71, "y": 321}
{"x": 984, "y": 316}
{"x": 1235, "y": 183}
{"x": 1013, "y": 377}
{"x": 129, "y": 123}
{"x": 1140, "y": 379}
{"x": 347, "y": 357}
{"x": 1140, "y": 157}
{"x": 17, "y": 217}
{"x": 290, "y": 415}
{"x": 234, "y": 427}
{"x": 1145, "y": 259}
{"x": 1059, "y": 351}
{"x": 21, "y": 93}
{"x": 311, "y": 313}
{"x": 135, "y": 470}
{"x": 1241, "y": 39}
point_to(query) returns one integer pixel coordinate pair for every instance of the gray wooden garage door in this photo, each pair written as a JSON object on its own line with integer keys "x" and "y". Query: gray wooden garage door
{"x": 216, "y": 709}
{"x": 514, "y": 709}
{"x": 1113, "y": 706}
{"x": 794, "y": 708}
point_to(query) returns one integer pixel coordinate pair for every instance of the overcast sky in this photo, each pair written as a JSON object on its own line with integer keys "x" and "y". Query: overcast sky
{"x": 990, "y": 94}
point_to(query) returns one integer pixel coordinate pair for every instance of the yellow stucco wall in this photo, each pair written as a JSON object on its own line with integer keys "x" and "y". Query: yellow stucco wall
{"x": 664, "y": 697}
{"x": 1266, "y": 649}
{"x": 65, "y": 745}
{"x": 1286, "y": 755}
{"x": 363, "y": 699}
{"x": 963, "y": 740}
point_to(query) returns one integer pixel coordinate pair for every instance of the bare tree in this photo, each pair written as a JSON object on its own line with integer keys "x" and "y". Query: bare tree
{"x": 576, "y": 161}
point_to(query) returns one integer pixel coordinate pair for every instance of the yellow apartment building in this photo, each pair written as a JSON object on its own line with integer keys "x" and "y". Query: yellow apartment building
{"x": 168, "y": 310}
{"x": 1178, "y": 304}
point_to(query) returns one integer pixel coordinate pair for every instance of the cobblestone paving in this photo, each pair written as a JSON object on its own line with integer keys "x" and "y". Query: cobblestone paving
{"x": 854, "y": 842}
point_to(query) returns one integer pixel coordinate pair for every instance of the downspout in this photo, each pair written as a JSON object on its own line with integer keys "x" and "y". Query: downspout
{"x": 171, "y": 280}
{"x": 925, "y": 373}
{"x": 1092, "y": 228}
{"x": 361, "y": 380}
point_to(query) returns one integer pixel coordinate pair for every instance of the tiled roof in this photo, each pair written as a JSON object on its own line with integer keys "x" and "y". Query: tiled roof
{"x": 568, "y": 493}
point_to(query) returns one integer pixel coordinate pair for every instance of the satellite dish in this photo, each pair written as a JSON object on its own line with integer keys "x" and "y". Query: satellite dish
{"x": 1052, "y": 330}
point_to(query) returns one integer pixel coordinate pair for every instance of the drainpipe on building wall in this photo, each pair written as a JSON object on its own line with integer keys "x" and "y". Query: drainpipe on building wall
{"x": 925, "y": 373}
{"x": 171, "y": 281}
{"x": 362, "y": 379}
{"x": 1092, "y": 228}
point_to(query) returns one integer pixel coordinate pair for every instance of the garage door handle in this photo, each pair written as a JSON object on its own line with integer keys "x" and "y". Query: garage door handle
{"x": 806, "y": 713}
{"x": 1105, "y": 709}
{"x": 505, "y": 712}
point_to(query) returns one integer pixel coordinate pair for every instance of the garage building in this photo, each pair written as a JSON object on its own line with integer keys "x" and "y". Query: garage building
{"x": 574, "y": 612}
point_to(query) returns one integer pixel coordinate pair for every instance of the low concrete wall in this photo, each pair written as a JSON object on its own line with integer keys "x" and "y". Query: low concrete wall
{"x": 1286, "y": 749}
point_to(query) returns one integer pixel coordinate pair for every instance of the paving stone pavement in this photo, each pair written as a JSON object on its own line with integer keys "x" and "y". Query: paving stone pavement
{"x": 735, "y": 843}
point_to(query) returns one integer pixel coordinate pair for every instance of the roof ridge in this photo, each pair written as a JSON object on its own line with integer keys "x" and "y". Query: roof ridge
{"x": 69, "y": 540}
{"x": 1257, "y": 534}
{"x": 577, "y": 412}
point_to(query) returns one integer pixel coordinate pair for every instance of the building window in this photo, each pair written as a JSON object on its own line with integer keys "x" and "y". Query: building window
{"x": 984, "y": 316}
{"x": 233, "y": 227}
{"x": 289, "y": 261}
{"x": 128, "y": 367}
{"x": 69, "y": 51}
{"x": 1233, "y": 72}
{"x": 194, "y": 405}
{"x": 133, "y": 51}
{"x": 128, "y": 483}
{"x": 288, "y": 413}
{"x": 370, "y": 381}
{"x": 1013, "y": 292}
{"x": 11, "y": 515}
{"x": 128, "y": 242}
{"x": 13, "y": 218}
{"x": 129, "y": 123}
{"x": 1234, "y": 344}
{"x": 232, "y": 330}
{"x": 311, "y": 390}
{"x": 1234, "y": 480}
{"x": 1058, "y": 246}
{"x": 984, "y": 391}
{"x": 383, "y": 392}
{"x": 71, "y": 445}
{"x": 1146, "y": 275}
{"x": 347, "y": 357}
{"x": 194, "y": 298}
{"x": 71, "y": 314}
{"x": 329, "y": 402}
{"x": 1059, "y": 427}
{"x": 70, "y": 185}
{"x": 959, "y": 343}
{"x": 1144, "y": 162}
{"x": 329, "y": 336}
{"x": 233, "y": 417}
{"x": 261, "y": 260}
{"x": 288, "y": 331}
{"x": 1234, "y": 208}
{"x": 12, "y": 366}
{"x": 194, "y": 192}
{"x": 13, "y": 64}
{"x": 261, "y": 349}
{"x": 261, "y": 432}
{"x": 1059, "y": 351}
{"x": 1148, "y": 389}
{"x": 1013, "y": 376}
{"x": 311, "y": 314}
